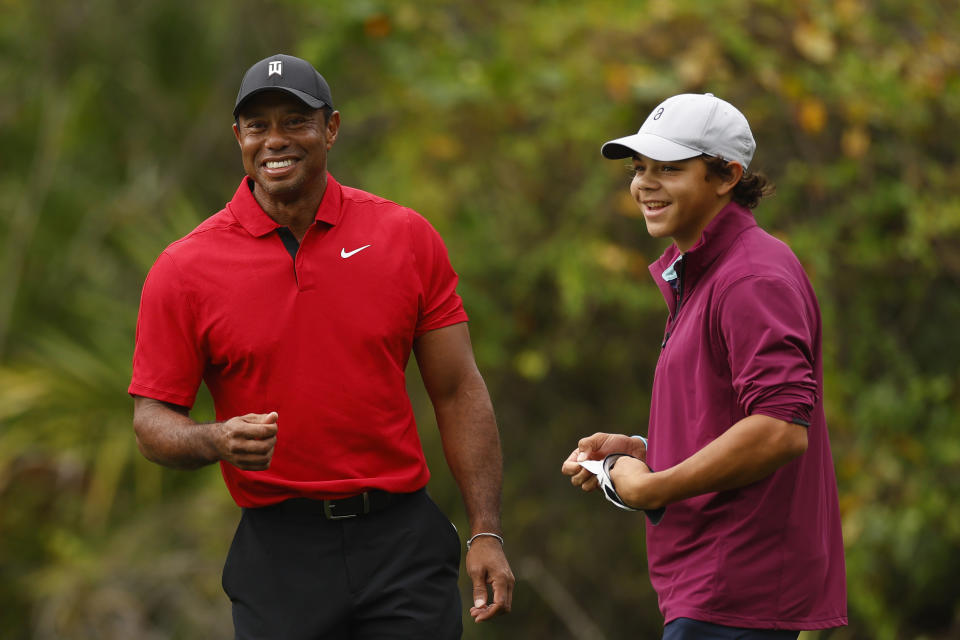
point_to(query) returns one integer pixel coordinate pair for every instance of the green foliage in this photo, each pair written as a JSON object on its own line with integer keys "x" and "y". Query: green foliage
{"x": 487, "y": 118}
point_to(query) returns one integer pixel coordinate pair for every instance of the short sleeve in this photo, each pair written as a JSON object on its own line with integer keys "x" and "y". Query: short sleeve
{"x": 768, "y": 334}
{"x": 440, "y": 305}
{"x": 168, "y": 361}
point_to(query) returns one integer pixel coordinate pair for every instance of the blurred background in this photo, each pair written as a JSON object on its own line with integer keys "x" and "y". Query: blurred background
{"x": 487, "y": 117}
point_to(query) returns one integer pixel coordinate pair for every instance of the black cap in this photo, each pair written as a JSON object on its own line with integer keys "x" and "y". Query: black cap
{"x": 294, "y": 75}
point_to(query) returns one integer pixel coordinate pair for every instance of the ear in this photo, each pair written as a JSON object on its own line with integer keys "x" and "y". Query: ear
{"x": 236, "y": 133}
{"x": 333, "y": 128}
{"x": 726, "y": 185}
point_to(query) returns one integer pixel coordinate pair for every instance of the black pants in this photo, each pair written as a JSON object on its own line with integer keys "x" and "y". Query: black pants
{"x": 687, "y": 629}
{"x": 291, "y": 574}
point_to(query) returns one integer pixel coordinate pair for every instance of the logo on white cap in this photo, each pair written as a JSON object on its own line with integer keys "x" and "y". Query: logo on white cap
{"x": 685, "y": 126}
{"x": 275, "y": 67}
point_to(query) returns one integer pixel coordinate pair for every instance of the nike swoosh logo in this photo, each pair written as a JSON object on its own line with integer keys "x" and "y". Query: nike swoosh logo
{"x": 346, "y": 254}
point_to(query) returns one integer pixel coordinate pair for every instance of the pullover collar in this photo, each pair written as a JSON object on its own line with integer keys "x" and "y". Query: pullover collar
{"x": 716, "y": 238}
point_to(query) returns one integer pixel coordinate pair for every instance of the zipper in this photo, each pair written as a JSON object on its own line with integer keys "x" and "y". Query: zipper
{"x": 678, "y": 267}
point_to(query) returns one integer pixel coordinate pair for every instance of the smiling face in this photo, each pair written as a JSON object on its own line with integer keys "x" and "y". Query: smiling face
{"x": 284, "y": 145}
{"x": 678, "y": 199}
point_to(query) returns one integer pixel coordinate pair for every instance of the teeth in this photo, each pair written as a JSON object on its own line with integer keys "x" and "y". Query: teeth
{"x": 656, "y": 205}
{"x": 276, "y": 164}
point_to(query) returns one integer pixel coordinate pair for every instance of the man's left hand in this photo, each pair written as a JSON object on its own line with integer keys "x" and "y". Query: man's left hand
{"x": 487, "y": 565}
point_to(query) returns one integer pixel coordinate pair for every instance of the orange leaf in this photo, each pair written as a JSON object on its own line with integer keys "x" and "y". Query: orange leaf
{"x": 812, "y": 115}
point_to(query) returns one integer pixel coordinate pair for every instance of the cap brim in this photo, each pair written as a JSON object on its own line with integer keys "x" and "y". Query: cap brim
{"x": 305, "y": 98}
{"x": 649, "y": 145}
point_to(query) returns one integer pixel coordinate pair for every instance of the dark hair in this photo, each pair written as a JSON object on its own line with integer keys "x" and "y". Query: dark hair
{"x": 751, "y": 188}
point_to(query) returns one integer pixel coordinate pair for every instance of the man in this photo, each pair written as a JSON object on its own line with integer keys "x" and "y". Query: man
{"x": 299, "y": 305}
{"x": 749, "y": 544}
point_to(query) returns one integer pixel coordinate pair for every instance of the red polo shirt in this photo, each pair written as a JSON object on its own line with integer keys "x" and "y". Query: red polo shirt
{"x": 323, "y": 340}
{"x": 745, "y": 339}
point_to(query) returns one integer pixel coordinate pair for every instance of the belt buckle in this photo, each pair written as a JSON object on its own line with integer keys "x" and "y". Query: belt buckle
{"x": 330, "y": 505}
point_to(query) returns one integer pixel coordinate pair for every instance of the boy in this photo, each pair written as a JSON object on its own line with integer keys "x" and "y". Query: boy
{"x": 749, "y": 545}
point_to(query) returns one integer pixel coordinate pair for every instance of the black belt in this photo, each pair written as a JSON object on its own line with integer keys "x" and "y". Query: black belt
{"x": 341, "y": 508}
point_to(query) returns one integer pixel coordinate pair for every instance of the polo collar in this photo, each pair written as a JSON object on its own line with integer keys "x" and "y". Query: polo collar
{"x": 715, "y": 239}
{"x": 257, "y": 223}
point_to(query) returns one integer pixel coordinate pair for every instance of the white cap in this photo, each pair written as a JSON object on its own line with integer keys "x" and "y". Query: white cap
{"x": 686, "y": 126}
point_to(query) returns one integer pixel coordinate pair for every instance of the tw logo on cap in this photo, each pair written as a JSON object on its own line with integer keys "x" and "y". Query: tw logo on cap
{"x": 275, "y": 67}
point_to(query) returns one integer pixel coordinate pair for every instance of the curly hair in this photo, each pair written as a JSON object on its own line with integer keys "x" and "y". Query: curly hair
{"x": 751, "y": 188}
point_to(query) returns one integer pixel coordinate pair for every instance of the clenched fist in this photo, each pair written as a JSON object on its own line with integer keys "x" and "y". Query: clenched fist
{"x": 247, "y": 441}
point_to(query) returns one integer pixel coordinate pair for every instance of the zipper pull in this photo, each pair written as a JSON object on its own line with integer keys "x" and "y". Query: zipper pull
{"x": 665, "y": 338}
